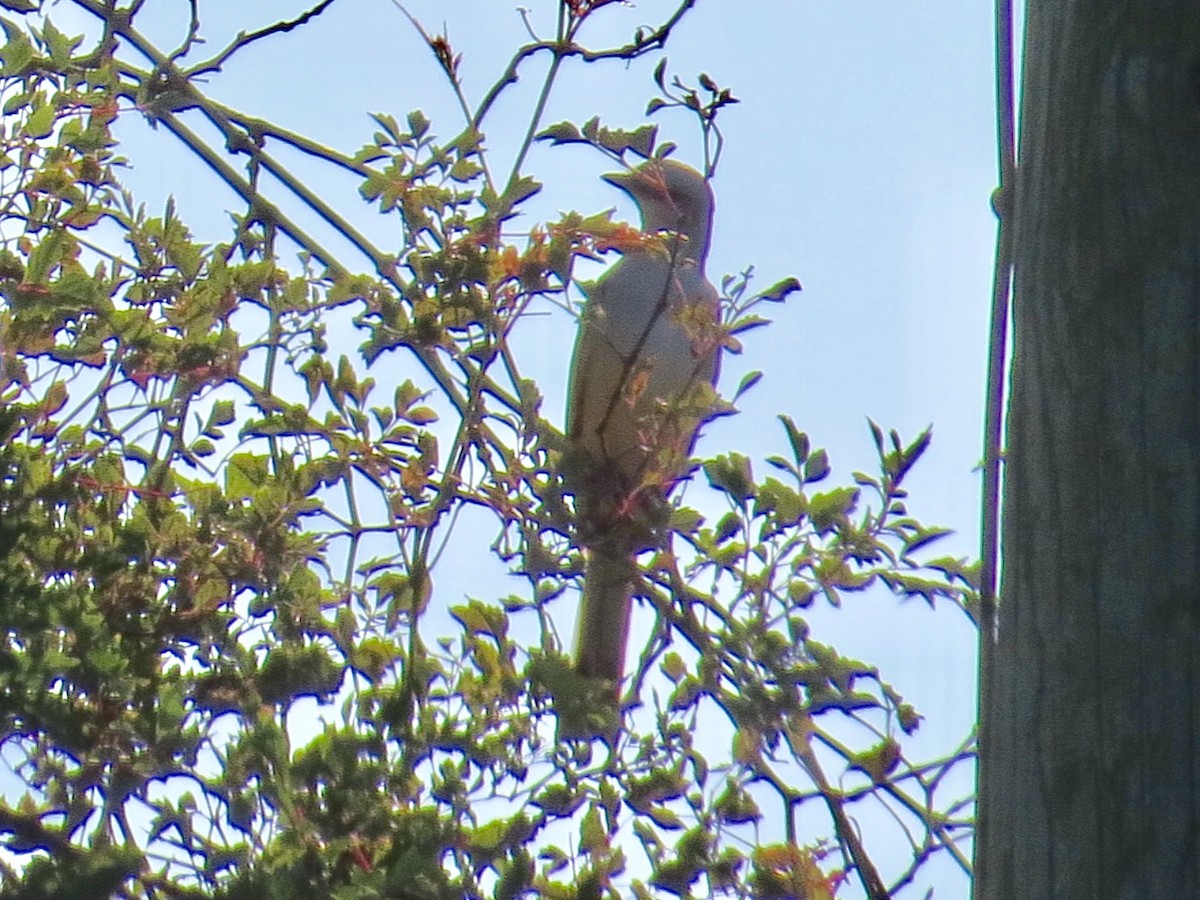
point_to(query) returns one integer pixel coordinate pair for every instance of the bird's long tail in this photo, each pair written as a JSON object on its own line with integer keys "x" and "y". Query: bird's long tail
{"x": 604, "y": 614}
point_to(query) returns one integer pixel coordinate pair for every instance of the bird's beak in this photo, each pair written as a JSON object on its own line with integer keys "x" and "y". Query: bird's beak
{"x": 623, "y": 180}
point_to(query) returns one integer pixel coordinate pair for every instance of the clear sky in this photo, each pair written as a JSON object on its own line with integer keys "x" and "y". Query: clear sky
{"x": 860, "y": 159}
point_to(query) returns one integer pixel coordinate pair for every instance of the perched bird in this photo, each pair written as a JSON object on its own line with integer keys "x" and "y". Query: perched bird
{"x": 641, "y": 382}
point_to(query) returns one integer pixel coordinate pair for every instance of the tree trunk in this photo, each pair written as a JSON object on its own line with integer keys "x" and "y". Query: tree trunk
{"x": 1090, "y": 752}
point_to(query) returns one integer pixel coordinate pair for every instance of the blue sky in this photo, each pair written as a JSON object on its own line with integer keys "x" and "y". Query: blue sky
{"x": 860, "y": 159}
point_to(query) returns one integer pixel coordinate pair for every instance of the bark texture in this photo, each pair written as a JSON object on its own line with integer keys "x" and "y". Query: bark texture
{"x": 1090, "y": 755}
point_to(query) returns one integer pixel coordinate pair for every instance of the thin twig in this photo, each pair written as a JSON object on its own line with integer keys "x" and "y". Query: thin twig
{"x": 846, "y": 832}
{"x": 997, "y": 366}
{"x": 243, "y": 40}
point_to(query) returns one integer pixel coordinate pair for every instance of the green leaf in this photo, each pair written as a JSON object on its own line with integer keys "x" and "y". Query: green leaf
{"x": 390, "y": 125}
{"x": 486, "y": 839}
{"x": 223, "y": 413}
{"x": 18, "y": 52}
{"x": 59, "y": 45}
{"x": 559, "y": 800}
{"x": 731, "y": 474}
{"x": 664, "y": 818}
{"x": 520, "y": 190}
{"x": 827, "y": 509}
{"x": 418, "y": 124}
{"x": 292, "y": 672}
{"x": 749, "y": 380}
{"x": 729, "y": 526}
{"x": 592, "y": 835}
{"x": 464, "y": 170}
{"x": 480, "y": 618}
{"x": 879, "y": 761}
{"x": 877, "y": 436}
{"x": 781, "y": 290}
{"x": 420, "y": 415}
{"x": 244, "y": 473}
{"x": 660, "y": 73}
{"x": 735, "y": 806}
{"x": 562, "y": 133}
{"x": 641, "y": 140}
{"x": 816, "y": 467}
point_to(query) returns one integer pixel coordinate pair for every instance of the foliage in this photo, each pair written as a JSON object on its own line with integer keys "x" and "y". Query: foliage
{"x": 214, "y": 520}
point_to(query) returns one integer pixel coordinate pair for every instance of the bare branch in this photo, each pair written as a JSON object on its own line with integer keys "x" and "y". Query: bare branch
{"x": 244, "y": 40}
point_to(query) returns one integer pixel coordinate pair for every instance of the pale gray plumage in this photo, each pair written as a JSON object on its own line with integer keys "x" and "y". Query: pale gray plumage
{"x": 645, "y": 359}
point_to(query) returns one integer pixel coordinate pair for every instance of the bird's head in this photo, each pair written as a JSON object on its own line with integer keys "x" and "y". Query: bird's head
{"x": 671, "y": 196}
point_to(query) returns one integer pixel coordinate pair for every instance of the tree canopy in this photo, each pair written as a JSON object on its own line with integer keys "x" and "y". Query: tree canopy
{"x": 229, "y": 471}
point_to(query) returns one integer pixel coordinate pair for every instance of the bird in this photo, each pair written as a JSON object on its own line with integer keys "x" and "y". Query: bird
{"x": 642, "y": 380}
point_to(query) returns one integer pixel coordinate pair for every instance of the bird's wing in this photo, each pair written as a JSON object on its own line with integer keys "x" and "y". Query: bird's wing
{"x": 648, "y": 339}
{"x": 603, "y": 418}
